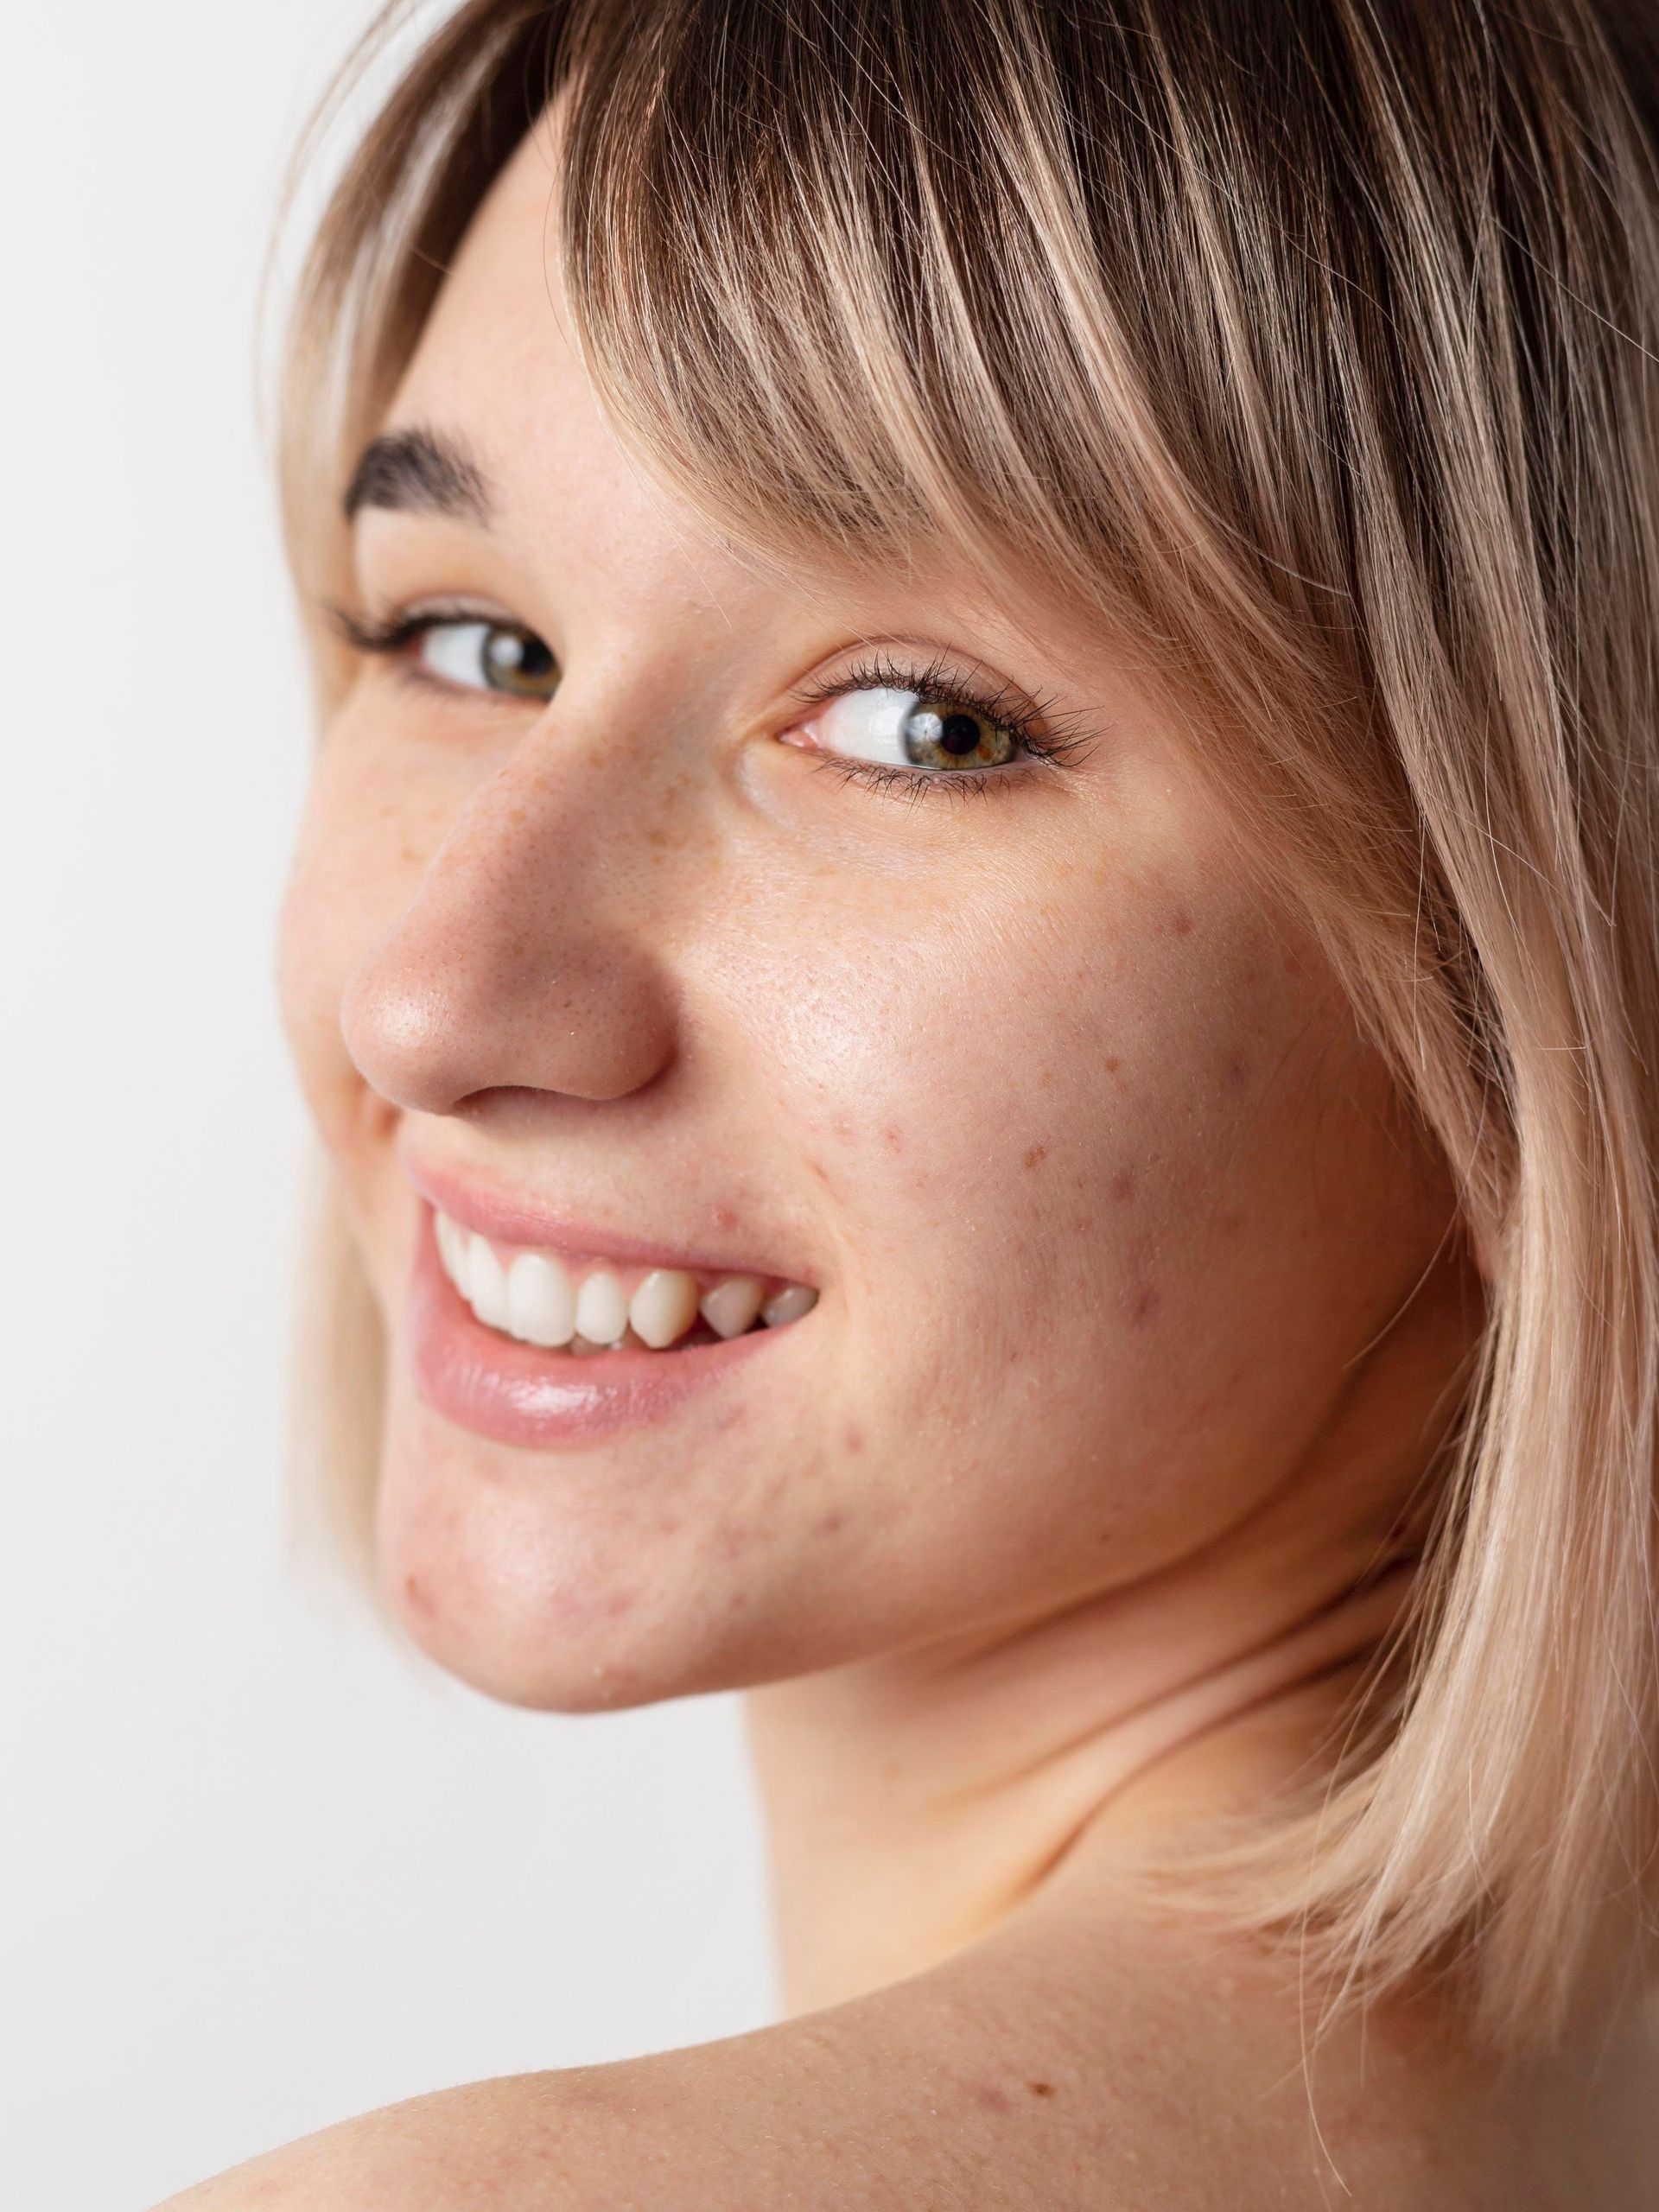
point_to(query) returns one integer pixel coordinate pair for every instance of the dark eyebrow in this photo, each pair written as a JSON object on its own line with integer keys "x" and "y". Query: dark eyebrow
{"x": 420, "y": 472}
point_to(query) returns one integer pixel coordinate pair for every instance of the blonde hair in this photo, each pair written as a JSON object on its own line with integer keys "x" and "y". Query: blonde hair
{"x": 1310, "y": 346}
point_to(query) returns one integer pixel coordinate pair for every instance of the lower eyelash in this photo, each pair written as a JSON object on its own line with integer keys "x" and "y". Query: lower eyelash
{"x": 910, "y": 784}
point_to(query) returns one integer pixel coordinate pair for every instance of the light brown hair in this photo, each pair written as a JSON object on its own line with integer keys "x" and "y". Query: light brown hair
{"x": 1310, "y": 347}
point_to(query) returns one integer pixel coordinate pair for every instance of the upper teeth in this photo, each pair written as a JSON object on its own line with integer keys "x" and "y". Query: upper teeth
{"x": 537, "y": 1297}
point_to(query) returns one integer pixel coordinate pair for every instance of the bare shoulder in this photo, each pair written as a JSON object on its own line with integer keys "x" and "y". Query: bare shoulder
{"x": 1057, "y": 2064}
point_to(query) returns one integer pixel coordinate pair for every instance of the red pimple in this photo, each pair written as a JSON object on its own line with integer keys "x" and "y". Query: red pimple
{"x": 1122, "y": 1185}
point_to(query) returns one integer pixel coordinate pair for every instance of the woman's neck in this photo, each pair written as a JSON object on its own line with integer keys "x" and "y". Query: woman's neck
{"x": 914, "y": 1801}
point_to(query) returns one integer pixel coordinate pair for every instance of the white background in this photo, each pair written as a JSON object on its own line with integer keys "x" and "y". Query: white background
{"x": 258, "y": 1870}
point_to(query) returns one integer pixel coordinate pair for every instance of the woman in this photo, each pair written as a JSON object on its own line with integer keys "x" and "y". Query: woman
{"x": 1122, "y": 1313}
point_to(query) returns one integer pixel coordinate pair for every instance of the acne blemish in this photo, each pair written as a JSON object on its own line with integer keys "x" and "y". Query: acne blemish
{"x": 725, "y": 1218}
{"x": 1122, "y": 1185}
{"x": 987, "y": 2095}
{"x": 895, "y": 1138}
{"x": 829, "y": 1524}
{"x": 1180, "y": 922}
{"x": 1235, "y": 1071}
{"x": 1143, "y": 1303}
{"x": 854, "y": 1439}
{"x": 1037, "y": 1155}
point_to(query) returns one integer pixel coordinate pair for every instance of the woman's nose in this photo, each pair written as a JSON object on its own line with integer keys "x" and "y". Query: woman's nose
{"x": 524, "y": 959}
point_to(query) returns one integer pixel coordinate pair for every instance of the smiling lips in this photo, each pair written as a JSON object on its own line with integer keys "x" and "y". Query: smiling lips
{"x": 559, "y": 1303}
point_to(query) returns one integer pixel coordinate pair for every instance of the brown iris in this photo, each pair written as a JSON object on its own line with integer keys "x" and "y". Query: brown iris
{"x": 938, "y": 734}
{"x": 516, "y": 660}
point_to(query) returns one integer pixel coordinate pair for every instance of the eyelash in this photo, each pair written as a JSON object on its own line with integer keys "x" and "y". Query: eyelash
{"x": 1044, "y": 741}
{"x": 385, "y": 637}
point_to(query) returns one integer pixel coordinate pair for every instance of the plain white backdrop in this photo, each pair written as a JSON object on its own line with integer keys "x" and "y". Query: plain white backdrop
{"x": 258, "y": 1870}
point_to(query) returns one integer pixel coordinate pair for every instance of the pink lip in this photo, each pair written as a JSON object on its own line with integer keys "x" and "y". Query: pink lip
{"x": 514, "y": 1393}
{"x": 510, "y": 1221}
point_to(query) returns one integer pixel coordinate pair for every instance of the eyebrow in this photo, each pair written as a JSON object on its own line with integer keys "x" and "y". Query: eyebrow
{"x": 418, "y": 472}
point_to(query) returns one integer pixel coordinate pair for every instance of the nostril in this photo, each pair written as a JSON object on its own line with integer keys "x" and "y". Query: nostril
{"x": 403, "y": 1037}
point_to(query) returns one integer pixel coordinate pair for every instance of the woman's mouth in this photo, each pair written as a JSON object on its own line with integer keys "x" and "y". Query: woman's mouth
{"x": 567, "y": 1302}
{"x": 545, "y": 1346}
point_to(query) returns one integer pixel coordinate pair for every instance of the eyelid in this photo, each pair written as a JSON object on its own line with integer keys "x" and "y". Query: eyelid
{"x": 390, "y": 632}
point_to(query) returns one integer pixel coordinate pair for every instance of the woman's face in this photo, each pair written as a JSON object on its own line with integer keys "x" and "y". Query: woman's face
{"x": 1074, "y": 1137}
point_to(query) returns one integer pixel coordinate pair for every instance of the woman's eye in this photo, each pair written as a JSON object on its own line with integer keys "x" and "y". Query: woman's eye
{"x": 907, "y": 729}
{"x": 489, "y": 657}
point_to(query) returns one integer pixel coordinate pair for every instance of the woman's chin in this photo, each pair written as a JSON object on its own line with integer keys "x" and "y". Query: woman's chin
{"x": 553, "y": 1599}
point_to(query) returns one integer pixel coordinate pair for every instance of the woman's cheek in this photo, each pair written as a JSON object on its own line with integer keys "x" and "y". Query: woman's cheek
{"x": 357, "y": 862}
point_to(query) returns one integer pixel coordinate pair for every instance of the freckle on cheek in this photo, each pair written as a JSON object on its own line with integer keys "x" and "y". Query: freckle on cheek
{"x": 829, "y": 1524}
{"x": 1037, "y": 1155}
{"x": 1180, "y": 922}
